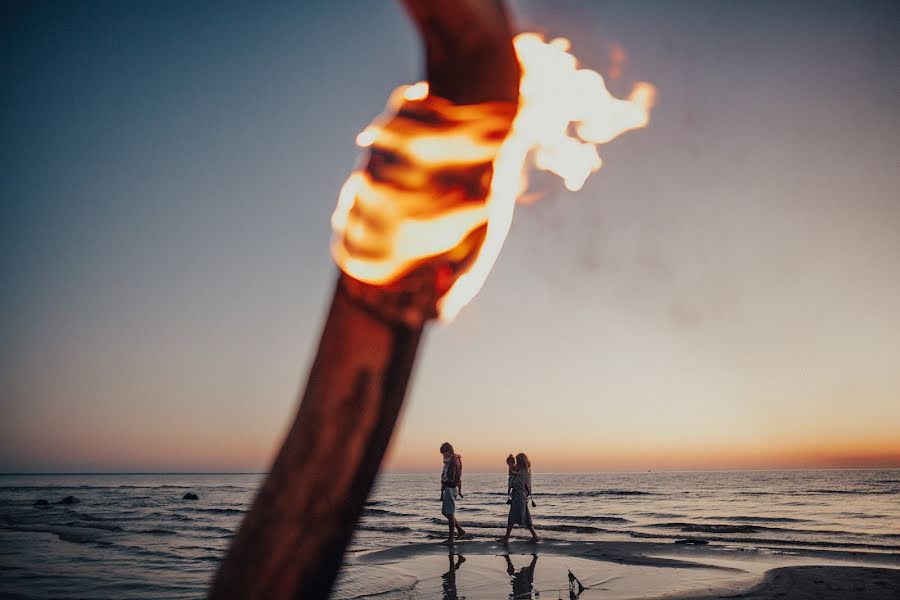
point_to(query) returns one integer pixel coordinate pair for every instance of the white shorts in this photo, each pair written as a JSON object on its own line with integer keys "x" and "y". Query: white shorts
{"x": 448, "y": 502}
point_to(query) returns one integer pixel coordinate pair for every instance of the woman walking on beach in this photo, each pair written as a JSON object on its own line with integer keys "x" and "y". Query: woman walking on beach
{"x": 451, "y": 487}
{"x": 519, "y": 513}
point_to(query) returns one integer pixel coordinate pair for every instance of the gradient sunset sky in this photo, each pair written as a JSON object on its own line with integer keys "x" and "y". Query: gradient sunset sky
{"x": 724, "y": 293}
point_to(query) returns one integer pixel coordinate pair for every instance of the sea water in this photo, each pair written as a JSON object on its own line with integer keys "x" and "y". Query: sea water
{"x": 135, "y": 536}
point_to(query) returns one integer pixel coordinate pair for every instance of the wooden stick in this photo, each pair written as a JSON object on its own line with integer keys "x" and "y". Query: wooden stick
{"x": 468, "y": 48}
{"x": 294, "y": 536}
{"x": 292, "y": 540}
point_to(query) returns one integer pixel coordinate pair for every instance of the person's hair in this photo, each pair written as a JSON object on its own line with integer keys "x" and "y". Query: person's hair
{"x": 522, "y": 461}
{"x": 510, "y": 460}
{"x": 446, "y": 447}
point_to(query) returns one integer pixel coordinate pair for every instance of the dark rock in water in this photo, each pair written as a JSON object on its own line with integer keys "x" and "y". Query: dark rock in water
{"x": 190, "y": 496}
{"x": 69, "y": 500}
{"x": 693, "y": 542}
{"x": 41, "y": 502}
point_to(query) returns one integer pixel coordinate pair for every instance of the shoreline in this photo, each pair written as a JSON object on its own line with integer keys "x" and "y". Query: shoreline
{"x": 813, "y": 582}
{"x": 594, "y": 525}
{"x": 477, "y": 569}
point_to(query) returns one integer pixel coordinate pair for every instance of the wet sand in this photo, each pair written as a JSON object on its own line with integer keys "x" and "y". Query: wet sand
{"x": 479, "y": 569}
{"x": 818, "y": 582}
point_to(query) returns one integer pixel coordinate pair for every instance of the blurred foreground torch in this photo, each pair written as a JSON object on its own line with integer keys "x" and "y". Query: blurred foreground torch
{"x": 417, "y": 229}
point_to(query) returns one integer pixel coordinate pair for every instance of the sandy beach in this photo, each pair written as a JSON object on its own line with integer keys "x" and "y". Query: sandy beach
{"x": 480, "y": 570}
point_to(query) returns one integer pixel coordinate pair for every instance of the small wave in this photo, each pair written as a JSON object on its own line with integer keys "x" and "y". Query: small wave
{"x": 75, "y": 535}
{"x": 45, "y": 488}
{"x": 770, "y": 541}
{"x": 380, "y": 512}
{"x": 151, "y": 487}
{"x": 719, "y": 528}
{"x": 656, "y": 515}
{"x": 156, "y": 554}
{"x": 385, "y": 528}
{"x": 113, "y": 517}
{"x": 859, "y": 515}
{"x": 742, "y": 519}
{"x": 204, "y": 548}
{"x": 854, "y": 492}
{"x": 174, "y": 516}
{"x": 573, "y": 528}
{"x": 83, "y": 516}
{"x": 707, "y": 528}
{"x": 472, "y": 524}
{"x": 589, "y": 519}
{"x": 178, "y": 487}
{"x": 221, "y": 511}
{"x": 598, "y": 493}
{"x": 223, "y": 531}
{"x": 99, "y": 526}
{"x": 722, "y": 528}
{"x": 157, "y": 532}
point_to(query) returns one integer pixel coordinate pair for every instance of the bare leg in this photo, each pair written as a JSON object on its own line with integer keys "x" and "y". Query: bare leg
{"x": 450, "y": 520}
{"x": 459, "y": 529}
{"x": 508, "y": 531}
{"x": 509, "y": 566}
{"x": 534, "y": 535}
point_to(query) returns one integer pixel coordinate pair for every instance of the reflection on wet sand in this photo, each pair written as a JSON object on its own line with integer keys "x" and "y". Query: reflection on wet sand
{"x": 610, "y": 569}
{"x": 522, "y": 580}
{"x": 448, "y": 579}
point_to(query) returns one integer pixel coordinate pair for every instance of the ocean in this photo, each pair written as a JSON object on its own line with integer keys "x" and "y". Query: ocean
{"x": 135, "y": 536}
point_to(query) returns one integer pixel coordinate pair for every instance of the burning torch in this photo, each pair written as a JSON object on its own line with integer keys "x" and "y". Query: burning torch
{"x": 416, "y": 230}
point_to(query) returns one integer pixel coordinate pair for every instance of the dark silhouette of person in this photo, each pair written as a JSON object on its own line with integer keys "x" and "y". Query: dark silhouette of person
{"x": 448, "y": 579}
{"x": 520, "y": 486}
{"x": 523, "y": 580}
{"x": 451, "y": 487}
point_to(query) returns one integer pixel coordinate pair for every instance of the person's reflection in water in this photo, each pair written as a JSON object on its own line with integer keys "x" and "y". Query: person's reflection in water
{"x": 448, "y": 579}
{"x": 523, "y": 581}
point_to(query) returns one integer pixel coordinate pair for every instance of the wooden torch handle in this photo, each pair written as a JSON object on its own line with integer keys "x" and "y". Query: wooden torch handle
{"x": 292, "y": 540}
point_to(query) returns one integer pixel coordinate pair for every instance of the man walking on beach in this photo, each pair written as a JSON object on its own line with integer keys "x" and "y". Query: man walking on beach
{"x": 451, "y": 487}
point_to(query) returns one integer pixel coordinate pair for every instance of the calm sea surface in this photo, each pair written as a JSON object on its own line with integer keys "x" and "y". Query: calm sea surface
{"x": 134, "y": 536}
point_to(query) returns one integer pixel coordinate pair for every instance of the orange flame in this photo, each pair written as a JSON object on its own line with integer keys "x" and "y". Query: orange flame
{"x": 439, "y": 172}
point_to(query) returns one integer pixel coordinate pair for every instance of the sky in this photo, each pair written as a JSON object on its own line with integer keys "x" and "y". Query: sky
{"x": 723, "y": 294}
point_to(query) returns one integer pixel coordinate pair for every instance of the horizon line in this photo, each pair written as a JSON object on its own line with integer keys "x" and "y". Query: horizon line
{"x": 423, "y": 471}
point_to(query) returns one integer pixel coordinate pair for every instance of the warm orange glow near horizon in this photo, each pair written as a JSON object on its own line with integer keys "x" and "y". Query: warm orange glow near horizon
{"x": 212, "y": 456}
{"x": 642, "y": 458}
{"x": 414, "y": 452}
